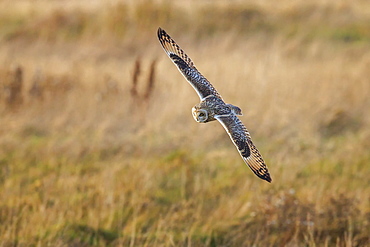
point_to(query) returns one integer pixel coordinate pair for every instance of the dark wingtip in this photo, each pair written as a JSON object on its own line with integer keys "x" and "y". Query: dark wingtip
{"x": 161, "y": 33}
{"x": 266, "y": 177}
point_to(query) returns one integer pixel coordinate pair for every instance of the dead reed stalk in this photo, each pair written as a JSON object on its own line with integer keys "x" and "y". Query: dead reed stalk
{"x": 36, "y": 91}
{"x": 135, "y": 78}
{"x": 13, "y": 87}
{"x": 151, "y": 80}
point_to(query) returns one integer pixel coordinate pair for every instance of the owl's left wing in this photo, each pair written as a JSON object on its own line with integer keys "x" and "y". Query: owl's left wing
{"x": 243, "y": 142}
{"x": 187, "y": 68}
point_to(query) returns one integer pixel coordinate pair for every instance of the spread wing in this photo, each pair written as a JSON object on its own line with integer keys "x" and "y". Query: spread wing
{"x": 187, "y": 68}
{"x": 243, "y": 142}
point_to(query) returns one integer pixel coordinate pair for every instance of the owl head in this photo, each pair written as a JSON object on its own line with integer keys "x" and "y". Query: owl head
{"x": 200, "y": 115}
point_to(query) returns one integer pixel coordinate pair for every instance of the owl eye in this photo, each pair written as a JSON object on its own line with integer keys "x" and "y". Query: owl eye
{"x": 201, "y": 114}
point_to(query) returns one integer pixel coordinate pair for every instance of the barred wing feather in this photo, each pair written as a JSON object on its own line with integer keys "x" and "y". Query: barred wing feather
{"x": 243, "y": 142}
{"x": 186, "y": 66}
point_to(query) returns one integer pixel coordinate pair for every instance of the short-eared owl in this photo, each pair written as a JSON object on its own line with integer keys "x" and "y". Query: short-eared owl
{"x": 212, "y": 107}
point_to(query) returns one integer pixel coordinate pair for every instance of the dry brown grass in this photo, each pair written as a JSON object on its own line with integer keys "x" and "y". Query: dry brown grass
{"x": 82, "y": 163}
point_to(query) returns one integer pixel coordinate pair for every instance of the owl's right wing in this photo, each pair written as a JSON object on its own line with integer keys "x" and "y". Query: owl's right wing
{"x": 243, "y": 142}
{"x": 187, "y": 68}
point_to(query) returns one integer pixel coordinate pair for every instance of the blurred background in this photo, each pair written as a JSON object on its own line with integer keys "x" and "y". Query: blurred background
{"x": 98, "y": 146}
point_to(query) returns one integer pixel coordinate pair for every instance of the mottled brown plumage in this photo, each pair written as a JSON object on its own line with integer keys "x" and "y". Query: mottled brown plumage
{"x": 212, "y": 107}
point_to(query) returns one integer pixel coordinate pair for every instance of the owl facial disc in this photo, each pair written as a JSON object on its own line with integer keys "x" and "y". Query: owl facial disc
{"x": 200, "y": 115}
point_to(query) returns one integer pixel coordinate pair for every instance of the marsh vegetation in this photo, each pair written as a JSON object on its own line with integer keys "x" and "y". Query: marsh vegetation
{"x": 98, "y": 146}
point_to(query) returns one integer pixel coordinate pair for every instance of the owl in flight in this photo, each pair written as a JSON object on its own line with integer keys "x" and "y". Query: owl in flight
{"x": 212, "y": 107}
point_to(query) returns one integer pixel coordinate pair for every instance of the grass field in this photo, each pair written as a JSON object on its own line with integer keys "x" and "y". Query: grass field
{"x": 98, "y": 146}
